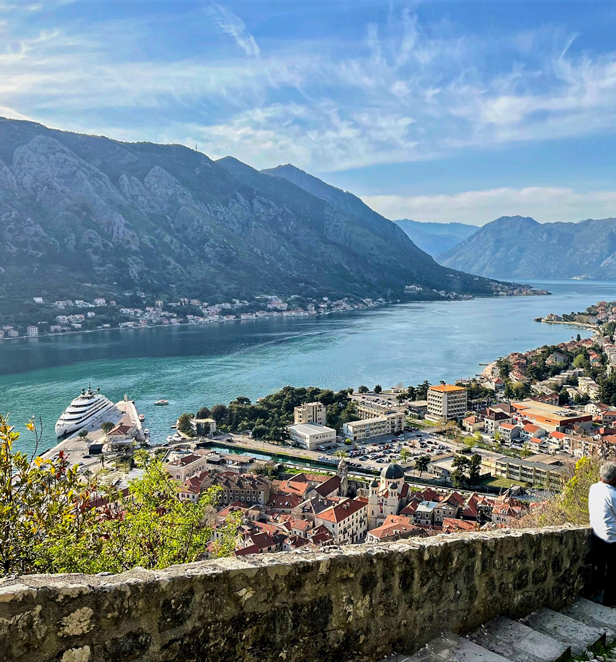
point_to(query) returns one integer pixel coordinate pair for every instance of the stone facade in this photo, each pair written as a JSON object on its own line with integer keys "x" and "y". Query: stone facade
{"x": 356, "y": 603}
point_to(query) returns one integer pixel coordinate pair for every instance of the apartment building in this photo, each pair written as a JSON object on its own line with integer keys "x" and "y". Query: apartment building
{"x": 347, "y": 521}
{"x": 310, "y": 412}
{"x": 446, "y": 401}
{"x": 374, "y": 427}
{"x": 527, "y": 471}
{"x": 249, "y": 488}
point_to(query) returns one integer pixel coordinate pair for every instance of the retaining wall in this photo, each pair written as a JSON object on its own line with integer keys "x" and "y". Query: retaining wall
{"x": 355, "y": 603}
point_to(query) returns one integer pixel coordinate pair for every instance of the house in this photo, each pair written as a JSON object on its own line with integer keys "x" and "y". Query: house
{"x": 556, "y": 358}
{"x": 473, "y": 423}
{"x": 508, "y": 431}
{"x": 185, "y": 465}
{"x": 247, "y": 488}
{"x": 424, "y": 513}
{"x": 529, "y": 430}
{"x": 395, "y": 527}
{"x": 494, "y": 418}
{"x": 459, "y": 525}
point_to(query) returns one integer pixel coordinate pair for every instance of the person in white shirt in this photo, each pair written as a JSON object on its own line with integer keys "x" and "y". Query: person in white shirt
{"x": 602, "y": 510}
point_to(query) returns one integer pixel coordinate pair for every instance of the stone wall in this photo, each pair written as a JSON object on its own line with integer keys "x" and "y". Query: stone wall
{"x": 351, "y": 604}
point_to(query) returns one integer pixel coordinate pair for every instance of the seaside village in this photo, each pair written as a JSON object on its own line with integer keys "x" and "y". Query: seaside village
{"x": 138, "y": 310}
{"x": 479, "y": 453}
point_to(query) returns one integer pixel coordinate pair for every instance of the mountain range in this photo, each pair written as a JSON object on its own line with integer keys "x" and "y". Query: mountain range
{"x": 435, "y": 238}
{"x": 79, "y": 210}
{"x": 520, "y": 247}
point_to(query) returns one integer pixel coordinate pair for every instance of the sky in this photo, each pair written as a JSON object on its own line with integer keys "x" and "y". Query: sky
{"x": 435, "y": 111}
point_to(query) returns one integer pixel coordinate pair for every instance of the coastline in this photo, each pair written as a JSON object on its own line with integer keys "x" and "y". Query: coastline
{"x": 576, "y": 325}
{"x": 358, "y": 308}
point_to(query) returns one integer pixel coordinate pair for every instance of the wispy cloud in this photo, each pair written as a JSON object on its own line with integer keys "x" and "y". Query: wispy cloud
{"x": 405, "y": 92}
{"x": 235, "y": 27}
{"x": 545, "y": 204}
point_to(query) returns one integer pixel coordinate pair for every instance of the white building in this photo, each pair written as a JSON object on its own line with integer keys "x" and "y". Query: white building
{"x": 446, "y": 401}
{"x": 387, "y": 496}
{"x": 311, "y": 435}
{"x": 32, "y": 331}
{"x": 374, "y": 427}
{"x": 347, "y": 521}
{"x": 38, "y": 299}
{"x": 310, "y": 412}
{"x": 589, "y": 387}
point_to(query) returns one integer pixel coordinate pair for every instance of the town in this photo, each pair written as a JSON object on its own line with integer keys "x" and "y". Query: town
{"x": 309, "y": 467}
{"x": 136, "y": 309}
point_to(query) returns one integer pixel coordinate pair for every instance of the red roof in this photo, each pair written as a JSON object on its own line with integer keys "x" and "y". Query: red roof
{"x": 450, "y": 525}
{"x": 341, "y": 511}
{"x": 329, "y": 486}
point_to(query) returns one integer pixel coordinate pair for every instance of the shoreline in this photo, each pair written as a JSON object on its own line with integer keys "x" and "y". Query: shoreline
{"x": 276, "y": 317}
{"x": 576, "y": 325}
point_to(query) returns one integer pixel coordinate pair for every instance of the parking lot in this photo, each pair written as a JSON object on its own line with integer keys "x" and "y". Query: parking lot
{"x": 379, "y": 451}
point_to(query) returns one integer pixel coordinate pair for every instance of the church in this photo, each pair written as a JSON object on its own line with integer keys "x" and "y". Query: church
{"x": 387, "y": 496}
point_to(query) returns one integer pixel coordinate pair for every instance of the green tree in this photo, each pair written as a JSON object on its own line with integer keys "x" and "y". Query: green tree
{"x": 259, "y": 431}
{"x": 341, "y": 453}
{"x": 422, "y": 463}
{"x": 204, "y": 412}
{"x": 578, "y": 337}
{"x": 38, "y": 500}
{"x": 378, "y": 388}
{"x": 363, "y": 389}
{"x": 107, "y": 427}
{"x": 405, "y": 454}
{"x": 83, "y": 434}
{"x": 48, "y": 523}
{"x": 421, "y": 392}
{"x": 184, "y": 424}
{"x": 219, "y": 413}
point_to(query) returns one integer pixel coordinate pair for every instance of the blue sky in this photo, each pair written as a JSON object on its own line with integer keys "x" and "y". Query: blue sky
{"x": 437, "y": 111}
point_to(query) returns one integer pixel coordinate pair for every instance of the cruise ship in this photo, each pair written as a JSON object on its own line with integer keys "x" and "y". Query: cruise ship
{"x": 82, "y": 411}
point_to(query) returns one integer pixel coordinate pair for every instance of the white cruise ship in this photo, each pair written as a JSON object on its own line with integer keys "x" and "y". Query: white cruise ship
{"x": 82, "y": 411}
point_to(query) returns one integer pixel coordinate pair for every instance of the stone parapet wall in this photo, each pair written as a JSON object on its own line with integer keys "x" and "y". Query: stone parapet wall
{"x": 355, "y": 603}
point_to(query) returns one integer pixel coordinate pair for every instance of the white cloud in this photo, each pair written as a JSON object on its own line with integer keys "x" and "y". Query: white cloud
{"x": 235, "y": 27}
{"x": 401, "y": 95}
{"x": 544, "y": 204}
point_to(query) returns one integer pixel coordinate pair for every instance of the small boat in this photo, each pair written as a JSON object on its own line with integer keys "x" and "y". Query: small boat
{"x": 161, "y": 403}
{"x": 142, "y": 417}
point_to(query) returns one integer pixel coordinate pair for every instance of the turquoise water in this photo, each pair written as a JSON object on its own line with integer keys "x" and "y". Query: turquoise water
{"x": 195, "y": 366}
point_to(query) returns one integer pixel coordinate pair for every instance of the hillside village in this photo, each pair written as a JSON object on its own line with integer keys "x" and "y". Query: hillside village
{"x": 137, "y": 310}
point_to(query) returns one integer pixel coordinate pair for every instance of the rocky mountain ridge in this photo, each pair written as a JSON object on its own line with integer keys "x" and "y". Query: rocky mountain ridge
{"x": 78, "y": 209}
{"x": 520, "y": 247}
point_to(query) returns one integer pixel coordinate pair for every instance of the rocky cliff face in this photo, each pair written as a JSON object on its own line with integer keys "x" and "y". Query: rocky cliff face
{"x": 519, "y": 247}
{"x": 77, "y": 208}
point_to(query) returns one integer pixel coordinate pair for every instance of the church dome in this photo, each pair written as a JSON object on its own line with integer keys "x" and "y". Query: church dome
{"x": 392, "y": 472}
{"x": 374, "y": 483}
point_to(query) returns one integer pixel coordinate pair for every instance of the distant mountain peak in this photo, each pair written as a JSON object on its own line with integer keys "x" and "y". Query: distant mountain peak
{"x": 519, "y": 247}
{"x": 514, "y": 219}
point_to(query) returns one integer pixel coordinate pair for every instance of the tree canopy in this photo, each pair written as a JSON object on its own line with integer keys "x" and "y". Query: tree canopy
{"x": 52, "y": 519}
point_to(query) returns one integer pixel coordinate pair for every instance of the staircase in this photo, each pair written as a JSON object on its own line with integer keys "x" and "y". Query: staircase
{"x": 544, "y": 636}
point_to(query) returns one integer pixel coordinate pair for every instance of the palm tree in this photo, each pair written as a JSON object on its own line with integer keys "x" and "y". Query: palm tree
{"x": 340, "y": 453}
{"x": 404, "y": 455}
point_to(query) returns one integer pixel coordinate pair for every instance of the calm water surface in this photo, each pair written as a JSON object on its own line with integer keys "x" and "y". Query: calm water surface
{"x": 195, "y": 366}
